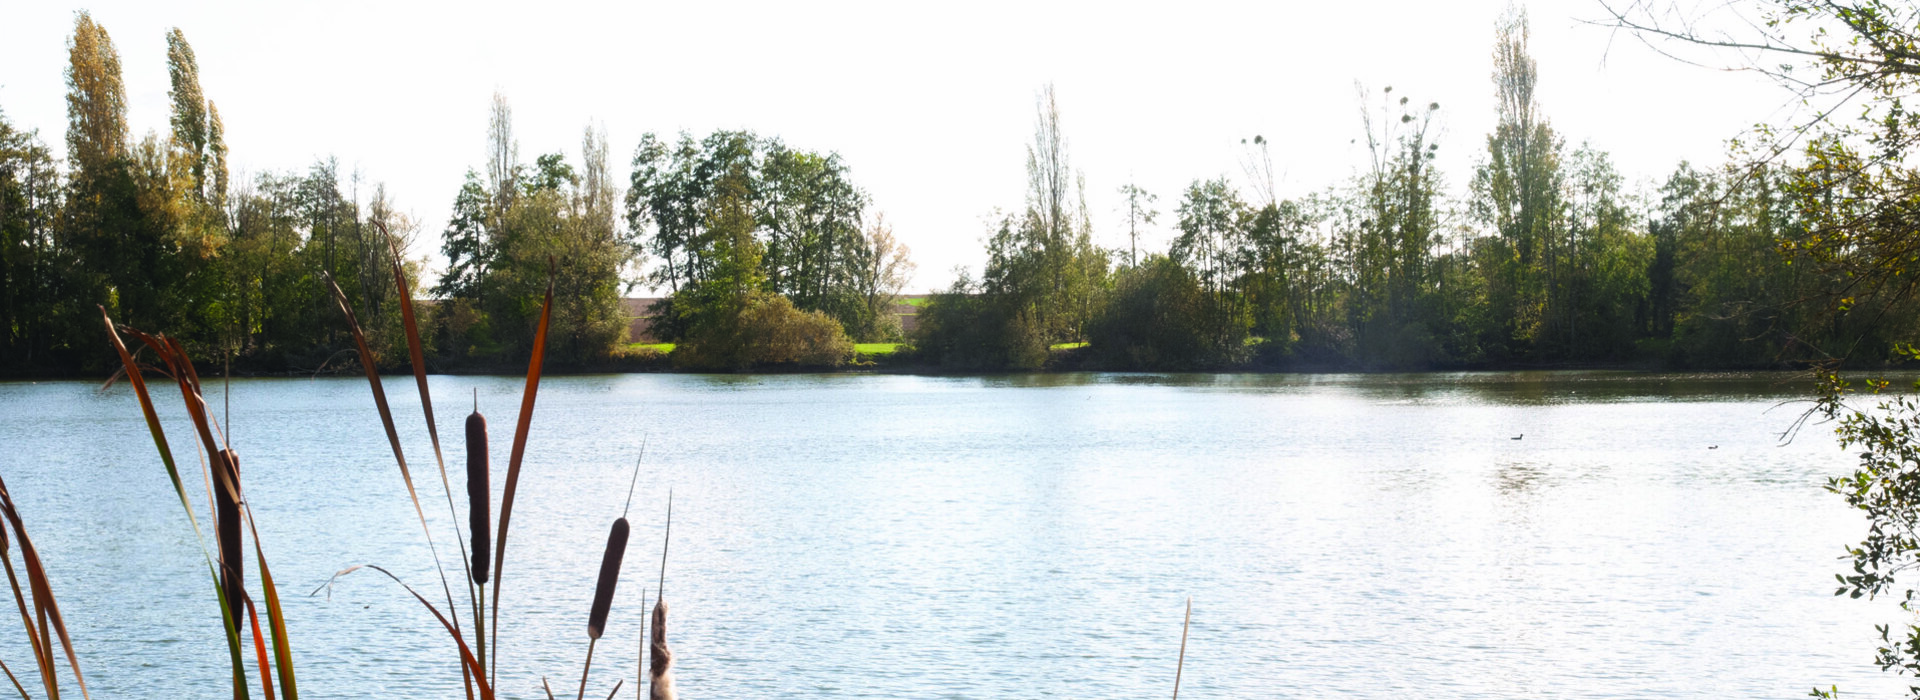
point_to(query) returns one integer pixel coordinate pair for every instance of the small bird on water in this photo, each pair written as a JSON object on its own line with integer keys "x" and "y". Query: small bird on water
{"x": 1516, "y": 437}
{"x": 1713, "y": 447}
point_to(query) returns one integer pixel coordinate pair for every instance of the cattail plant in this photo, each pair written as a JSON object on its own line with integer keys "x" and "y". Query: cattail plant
{"x": 226, "y": 525}
{"x": 479, "y": 521}
{"x": 609, "y": 576}
{"x": 660, "y": 687}
{"x": 479, "y": 488}
{"x": 476, "y": 675}
{"x": 231, "y": 512}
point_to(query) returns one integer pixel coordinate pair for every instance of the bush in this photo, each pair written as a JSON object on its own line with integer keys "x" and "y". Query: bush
{"x": 768, "y": 331}
{"x": 1159, "y": 318}
{"x": 966, "y": 330}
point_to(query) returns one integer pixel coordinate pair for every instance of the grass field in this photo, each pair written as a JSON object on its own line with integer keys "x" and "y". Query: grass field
{"x": 1066, "y": 346}
{"x": 876, "y": 349}
{"x": 914, "y": 301}
{"x": 662, "y": 348}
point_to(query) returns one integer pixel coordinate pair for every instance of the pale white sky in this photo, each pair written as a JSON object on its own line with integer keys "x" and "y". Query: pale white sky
{"x": 930, "y": 104}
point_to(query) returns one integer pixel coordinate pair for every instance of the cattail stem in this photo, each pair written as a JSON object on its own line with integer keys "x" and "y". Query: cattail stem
{"x": 584, "y": 668}
{"x": 480, "y": 628}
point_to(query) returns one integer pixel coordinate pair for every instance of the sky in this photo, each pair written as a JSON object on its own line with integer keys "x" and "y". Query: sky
{"x": 930, "y": 104}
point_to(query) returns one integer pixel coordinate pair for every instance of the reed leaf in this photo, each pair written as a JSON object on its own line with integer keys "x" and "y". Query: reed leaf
{"x": 41, "y": 658}
{"x": 43, "y": 602}
{"x": 393, "y": 436}
{"x": 16, "y": 681}
{"x": 417, "y": 354}
{"x": 259, "y": 650}
{"x": 184, "y": 375}
{"x": 520, "y": 429}
{"x": 466, "y": 654}
{"x": 139, "y": 384}
{"x": 276, "y": 618}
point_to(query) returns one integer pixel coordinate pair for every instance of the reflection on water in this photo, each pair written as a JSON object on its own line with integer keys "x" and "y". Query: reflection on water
{"x": 1349, "y": 535}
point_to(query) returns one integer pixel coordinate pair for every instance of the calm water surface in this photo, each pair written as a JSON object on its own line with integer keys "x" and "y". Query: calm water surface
{"x": 937, "y": 537}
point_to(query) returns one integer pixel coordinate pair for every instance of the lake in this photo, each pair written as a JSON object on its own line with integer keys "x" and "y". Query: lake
{"x": 1363, "y": 536}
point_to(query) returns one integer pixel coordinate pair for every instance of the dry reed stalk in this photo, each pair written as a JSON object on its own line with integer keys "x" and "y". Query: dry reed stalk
{"x": 609, "y": 576}
{"x": 1181, "y": 666}
{"x": 616, "y": 688}
{"x": 44, "y": 606}
{"x": 520, "y": 429}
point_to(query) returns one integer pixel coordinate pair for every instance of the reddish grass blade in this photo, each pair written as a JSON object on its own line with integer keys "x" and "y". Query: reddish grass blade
{"x": 520, "y": 430}
{"x": 43, "y": 602}
{"x": 276, "y": 619}
{"x": 16, "y": 681}
{"x": 616, "y": 688}
{"x": 41, "y": 658}
{"x": 466, "y": 654}
{"x": 393, "y": 436}
{"x": 417, "y": 355}
{"x": 260, "y": 650}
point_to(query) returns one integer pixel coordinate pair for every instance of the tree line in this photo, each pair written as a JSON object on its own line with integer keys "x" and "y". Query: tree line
{"x": 1545, "y": 260}
{"x": 770, "y": 254}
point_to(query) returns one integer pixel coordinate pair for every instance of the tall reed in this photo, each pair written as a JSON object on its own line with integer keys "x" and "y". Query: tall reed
{"x": 609, "y": 577}
{"x": 232, "y": 513}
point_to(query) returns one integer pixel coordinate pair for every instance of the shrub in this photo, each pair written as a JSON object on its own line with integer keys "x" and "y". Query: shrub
{"x": 768, "y": 331}
{"x": 1160, "y": 318}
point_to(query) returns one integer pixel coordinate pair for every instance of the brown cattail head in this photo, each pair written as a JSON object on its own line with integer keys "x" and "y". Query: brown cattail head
{"x": 479, "y": 513}
{"x": 609, "y": 577}
{"x": 661, "y": 670}
{"x": 226, "y": 513}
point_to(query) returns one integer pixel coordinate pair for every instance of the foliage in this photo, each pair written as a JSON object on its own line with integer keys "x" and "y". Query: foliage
{"x": 1161, "y": 317}
{"x": 734, "y": 212}
{"x": 1885, "y": 487}
{"x": 766, "y": 331}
